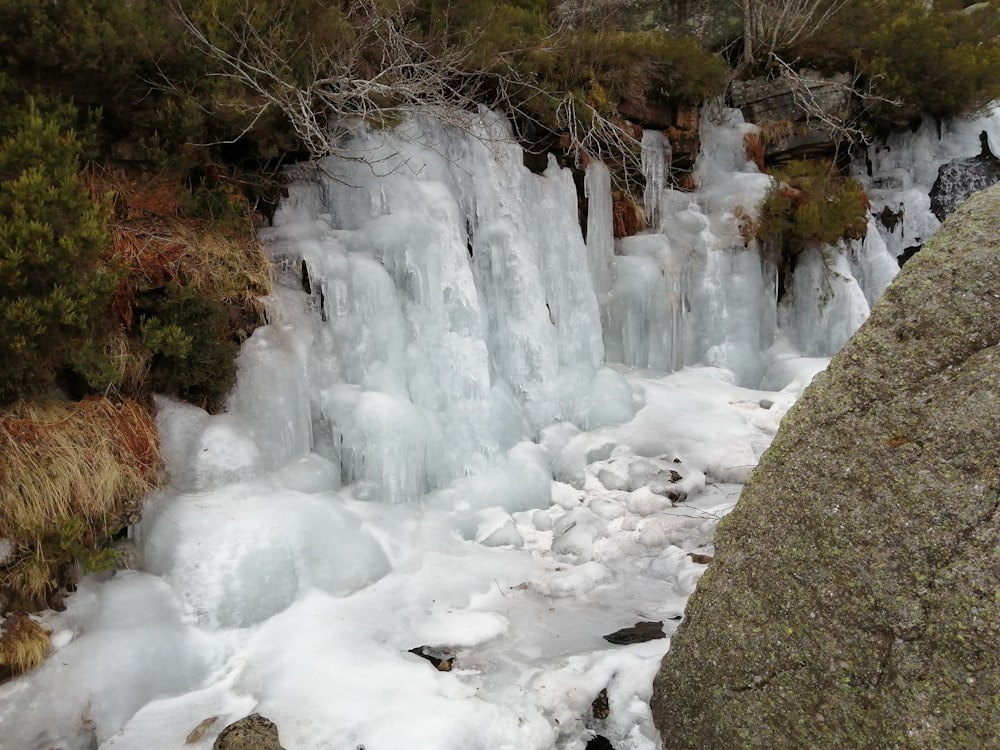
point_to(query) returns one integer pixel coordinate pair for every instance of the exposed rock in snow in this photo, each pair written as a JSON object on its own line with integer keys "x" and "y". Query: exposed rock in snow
{"x": 253, "y": 732}
{"x": 959, "y": 179}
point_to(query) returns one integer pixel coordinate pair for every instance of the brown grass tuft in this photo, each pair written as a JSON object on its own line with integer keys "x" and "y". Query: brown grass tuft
{"x": 686, "y": 182}
{"x": 772, "y": 132}
{"x": 71, "y": 475}
{"x": 749, "y": 227}
{"x": 222, "y": 261}
{"x": 158, "y": 245}
{"x": 753, "y": 144}
{"x": 628, "y": 217}
{"x": 24, "y": 644}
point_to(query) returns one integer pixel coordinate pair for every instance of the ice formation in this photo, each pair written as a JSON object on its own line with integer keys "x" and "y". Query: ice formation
{"x": 465, "y": 427}
{"x": 898, "y": 174}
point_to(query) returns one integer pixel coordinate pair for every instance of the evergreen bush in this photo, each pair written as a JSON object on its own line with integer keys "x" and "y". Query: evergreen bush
{"x": 633, "y": 64}
{"x": 941, "y": 63}
{"x": 55, "y": 291}
{"x": 187, "y": 336}
{"x": 810, "y": 202}
{"x": 940, "y": 58}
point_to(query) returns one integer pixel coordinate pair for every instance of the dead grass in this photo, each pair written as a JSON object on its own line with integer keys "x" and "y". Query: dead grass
{"x": 753, "y": 144}
{"x": 157, "y": 245}
{"x": 628, "y": 217}
{"x": 773, "y": 132}
{"x": 71, "y": 474}
{"x": 24, "y": 644}
{"x": 769, "y": 133}
{"x": 749, "y": 226}
{"x": 215, "y": 258}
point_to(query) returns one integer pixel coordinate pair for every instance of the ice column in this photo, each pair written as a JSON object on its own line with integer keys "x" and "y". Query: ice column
{"x": 451, "y": 310}
{"x": 656, "y": 155}
{"x": 600, "y": 230}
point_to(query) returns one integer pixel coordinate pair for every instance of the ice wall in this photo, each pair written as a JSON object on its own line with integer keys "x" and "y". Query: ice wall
{"x": 693, "y": 290}
{"x": 898, "y": 173}
{"x": 450, "y": 313}
{"x": 453, "y": 309}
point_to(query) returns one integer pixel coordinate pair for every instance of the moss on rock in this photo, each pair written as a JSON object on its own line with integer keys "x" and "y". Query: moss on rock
{"x": 854, "y": 598}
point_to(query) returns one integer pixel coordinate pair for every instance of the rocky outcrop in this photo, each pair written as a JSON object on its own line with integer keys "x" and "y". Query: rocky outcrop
{"x": 253, "y": 732}
{"x": 959, "y": 179}
{"x": 794, "y": 113}
{"x": 852, "y": 602}
{"x": 714, "y": 25}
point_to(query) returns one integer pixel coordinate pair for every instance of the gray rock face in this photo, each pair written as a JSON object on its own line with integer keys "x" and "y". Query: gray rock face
{"x": 854, "y": 600}
{"x": 713, "y": 24}
{"x": 959, "y": 179}
{"x": 801, "y": 105}
{"x": 253, "y": 732}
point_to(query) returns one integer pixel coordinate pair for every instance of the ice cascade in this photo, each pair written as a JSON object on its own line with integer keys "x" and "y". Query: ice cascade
{"x": 458, "y": 430}
{"x": 450, "y": 312}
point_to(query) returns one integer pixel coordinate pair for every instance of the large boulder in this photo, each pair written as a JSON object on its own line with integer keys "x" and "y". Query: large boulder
{"x": 714, "y": 25}
{"x": 854, "y": 600}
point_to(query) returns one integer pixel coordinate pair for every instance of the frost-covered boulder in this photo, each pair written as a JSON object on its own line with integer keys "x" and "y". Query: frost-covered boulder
{"x": 853, "y": 597}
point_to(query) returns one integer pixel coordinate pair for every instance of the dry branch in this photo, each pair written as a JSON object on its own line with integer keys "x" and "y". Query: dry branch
{"x": 384, "y": 73}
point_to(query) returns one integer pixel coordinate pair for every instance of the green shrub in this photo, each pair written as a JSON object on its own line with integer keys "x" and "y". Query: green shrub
{"x": 187, "y": 336}
{"x": 96, "y": 51}
{"x": 627, "y": 64}
{"x": 489, "y": 25}
{"x": 54, "y": 290}
{"x": 810, "y": 202}
{"x": 914, "y": 58}
{"x": 942, "y": 63}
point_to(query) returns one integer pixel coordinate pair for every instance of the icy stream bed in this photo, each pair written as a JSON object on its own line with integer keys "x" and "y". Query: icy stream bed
{"x": 466, "y": 430}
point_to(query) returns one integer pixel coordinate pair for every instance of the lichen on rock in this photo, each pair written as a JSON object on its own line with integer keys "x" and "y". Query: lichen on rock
{"x": 853, "y": 600}
{"x": 253, "y": 732}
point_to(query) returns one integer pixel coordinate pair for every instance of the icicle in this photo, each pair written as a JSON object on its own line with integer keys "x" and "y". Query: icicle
{"x": 600, "y": 232}
{"x": 656, "y": 155}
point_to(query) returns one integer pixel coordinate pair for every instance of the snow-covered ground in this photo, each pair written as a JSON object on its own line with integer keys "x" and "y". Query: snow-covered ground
{"x": 301, "y": 603}
{"x": 427, "y": 449}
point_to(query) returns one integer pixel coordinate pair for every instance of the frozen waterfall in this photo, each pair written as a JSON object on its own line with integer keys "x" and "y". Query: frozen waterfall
{"x": 451, "y": 312}
{"x": 464, "y": 428}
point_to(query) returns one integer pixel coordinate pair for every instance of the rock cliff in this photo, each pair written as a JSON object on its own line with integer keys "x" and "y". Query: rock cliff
{"x": 853, "y": 602}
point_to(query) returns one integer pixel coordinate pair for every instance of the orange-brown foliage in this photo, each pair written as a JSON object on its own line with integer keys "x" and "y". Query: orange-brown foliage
{"x": 753, "y": 144}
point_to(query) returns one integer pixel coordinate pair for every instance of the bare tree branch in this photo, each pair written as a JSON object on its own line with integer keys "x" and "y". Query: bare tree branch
{"x": 382, "y": 72}
{"x": 772, "y": 25}
{"x": 844, "y": 123}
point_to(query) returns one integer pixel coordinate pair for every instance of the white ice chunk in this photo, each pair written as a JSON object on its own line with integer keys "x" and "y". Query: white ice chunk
{"x": 238, "y": 556}
{"x": 600, "y": 232}
{"x": 873, "y": 265}
{"x": 130, "y": 647}
{"x": 826, "y": 303}
{"x": 655, "y": 154}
